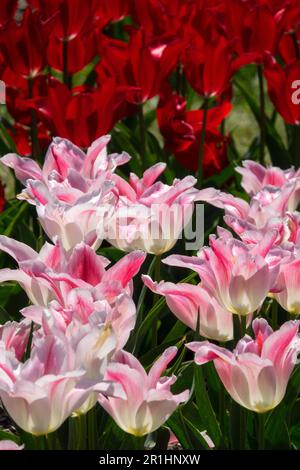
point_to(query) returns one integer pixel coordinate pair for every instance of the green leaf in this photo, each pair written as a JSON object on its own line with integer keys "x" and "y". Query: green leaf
{"x": 293, "y": 388}
{"x": 279, "y": 154}
{"x": 8, "y": 436}
{"x": 4, "y": 316}
{"x": 147, "y": 322}
{"x": 8, "y": 231}
{"x": 179, "y": 329}
{"x": 122, "y": 140}
{"x": 148, "y": 358}
{"x": 186, "y": 430}
{"x": 276, "y": 431}
{"x": 8, "y": 291}
{"x": 295, "y": 436}
{"x": 205, "y": 408}
{"x": 221, "y": 178}
{"x": 7, "y": 139}
{"x": 178, "y": 425}
{"x": 112, "y": 253}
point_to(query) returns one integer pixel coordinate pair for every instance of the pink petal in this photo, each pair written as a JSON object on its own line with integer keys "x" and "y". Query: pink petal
{"x": 19, "y": 251}
{"x": 160, "y": 366}
{"x": 25, "y": 168}
{"x": 126, "y": 268}
{"x": 84, "y": 264}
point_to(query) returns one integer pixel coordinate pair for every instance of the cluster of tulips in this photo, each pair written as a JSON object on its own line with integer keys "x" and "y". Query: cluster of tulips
{"x": 72, "y": 352}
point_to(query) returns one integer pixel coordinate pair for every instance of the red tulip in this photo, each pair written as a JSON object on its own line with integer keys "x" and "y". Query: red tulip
{"x": 21, "y": 136}
{"x": 81, "y": 51}
{"x": 182, "y": 130}
{"x": 75, "y": 17}
{"x": 46, "y": 8}
{"x": 114, "y": 56}
{"x": 81, "y": 114}
{"x": 208, "y": 65}
{"x": 252, "y": 28}
{"x": 18, "y": 100}
{"x": 159, "y": 17}
{"x": 112, "y": 11}
{"x": 259, "y": 32}
{"x": 289, "y": 47}
{"x": 140, "y": 64}
{"x": 288, "y": 18}
{"x": 24, "y": 45}
{"x": 73, "y": 14}
{"x": 288, "y": 25}
{"x": 284, "y": 90}
{"x": 7, "y": 10}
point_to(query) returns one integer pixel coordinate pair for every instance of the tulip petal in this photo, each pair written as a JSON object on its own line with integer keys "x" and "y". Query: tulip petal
{"x": 25, "y": 168}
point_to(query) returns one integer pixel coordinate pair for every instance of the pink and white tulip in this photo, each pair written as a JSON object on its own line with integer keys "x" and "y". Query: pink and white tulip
{"x": 52, "y": 273}
{"x": 10, "y": 445}
{"x": 255, "y": 177}
{"x": 85, "y": 306}
{"x": 149, "y": 401}
{"x": 84, "y": 221}
{"x": 257, "y": 372}
{"x": 266, "y": 206}
{"x": 14, "y": 336}
{"x": 289, "y": 279}
{"x": 235, "y": 274}
{"x": 150, "y": 216}
{"x": 91, "y": 347}
{"x": 188, "y": 301}
{"x": 68, "y": 173}
{"x": 53, "y": 383}
{"x": 72, "y": 192}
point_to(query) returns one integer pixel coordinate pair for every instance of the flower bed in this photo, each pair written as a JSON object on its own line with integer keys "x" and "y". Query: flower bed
{"x": 149, "y": 228}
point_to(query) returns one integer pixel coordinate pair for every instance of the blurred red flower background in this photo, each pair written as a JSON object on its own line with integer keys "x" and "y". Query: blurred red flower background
{"x": 162, "y": 75}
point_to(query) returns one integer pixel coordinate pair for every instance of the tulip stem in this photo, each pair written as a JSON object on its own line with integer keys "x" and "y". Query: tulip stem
{"x": 35, "y": 147}
{"x": 243, "y": 323}
{"x": 71, "y": 433}
{"x": 243, "y": 428}
{"x": 297, "y": 146}
{"x": 262, "y": 114}
{"x": 296, "y": 45}
{"x": 180, "y": 81}
{"x": 274, "y": 314}
{"x": 40, "y": 442}
{"x": 202, "y": 143}
{"x": 238, "y": 422}
{"x": 92, "y": 429}
{"x": 50, "y": 441}
{"x": 82, "y": 427}
{"x": 157, "y": 268}
{"x": 239, "y": 326}
{"x": 77, "y": 433}
{"x": 67, "y": 79}
{"x": 261, "y": 431}
{"x": 143, "y": 136}
{"x": 222, "y": 409}
{"x": 139, "y": 443}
